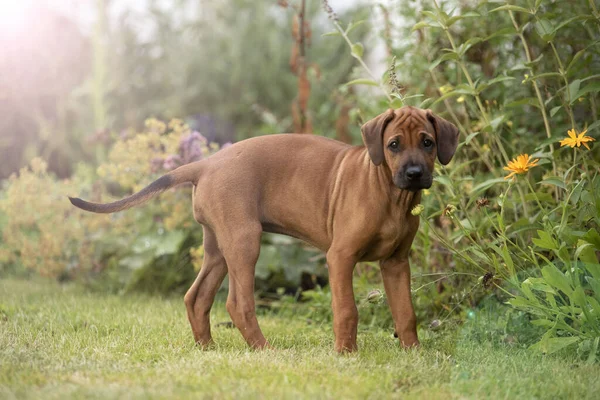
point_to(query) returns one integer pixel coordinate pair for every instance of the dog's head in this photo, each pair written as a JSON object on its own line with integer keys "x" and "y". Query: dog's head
{"x": 407, "y": 141}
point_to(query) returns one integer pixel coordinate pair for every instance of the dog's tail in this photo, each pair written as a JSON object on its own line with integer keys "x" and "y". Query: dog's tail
{"x": 184, "y": 174}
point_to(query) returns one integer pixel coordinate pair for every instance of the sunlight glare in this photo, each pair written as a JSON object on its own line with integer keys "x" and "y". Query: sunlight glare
{"x": 13, "y": 14}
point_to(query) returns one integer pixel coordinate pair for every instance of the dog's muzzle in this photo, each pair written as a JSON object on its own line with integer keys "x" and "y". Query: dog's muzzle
{"x": 414, "y": 178}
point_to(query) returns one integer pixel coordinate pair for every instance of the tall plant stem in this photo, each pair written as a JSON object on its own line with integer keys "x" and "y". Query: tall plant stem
{"x": 563, "y": 73}
{"x": 467, "y": 75}
{"x": 482, "y": 110}
{"x": 361, "y": 61}
{"x": 535, "y": 86}
{"x": 466, "y": 129}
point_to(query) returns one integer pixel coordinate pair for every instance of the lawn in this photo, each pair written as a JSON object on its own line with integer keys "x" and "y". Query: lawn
{"x": 62, "y": 341}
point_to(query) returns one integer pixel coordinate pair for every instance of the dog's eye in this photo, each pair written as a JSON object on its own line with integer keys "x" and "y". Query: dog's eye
{"x": 427, "y": 143}
{"x": 394, "y": 145}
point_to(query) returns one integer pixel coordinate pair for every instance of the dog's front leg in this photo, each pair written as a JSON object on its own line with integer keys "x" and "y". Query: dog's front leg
{"x": 396, "y": 280}
{"x": 345, "y": 314}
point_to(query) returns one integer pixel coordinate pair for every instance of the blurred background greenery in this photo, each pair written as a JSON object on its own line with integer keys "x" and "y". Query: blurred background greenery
{"x": 99, "y": 97}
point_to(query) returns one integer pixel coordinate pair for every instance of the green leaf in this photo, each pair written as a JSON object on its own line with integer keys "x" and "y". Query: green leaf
{"x": 532, "y": 63}
{"x": 545, "y": 29}
{"x": 464, "y": 47}
{"x": 424, "y": 24}
{"x": 362, "y": 81}
{"x": 542, "y": 197}
{"x": 578, "y": 55}
{"x": 413, "y": 96}
{"x": 554, "y": 181}
{"x": 595, "y": 306}
{"x": 540, "y": 284}
{"x": 579, "y": 298}
{"x": 445, "y": 57}
{"x": 426, "y": 103}
{"x": 564, "y": 23}
{"x": 510, "y": 265}
{"x": 353, "y": 25}
{"x": 473, "y": 40}
{"x": 520, "y": 302}
{"x": 453, "y": 93}
{"x": 594, "y": 125}
{"x": 593, "y": 87}
{"x": 557, "y": 279}
{"x": 543, "y": 75}
{"x": 484, "y": 85}
{"x": 500, "y": 78}
{"x": 470, "y": 137}
{"x": 512, "y": 8}
{"x": 396, "y": 103}
{"x": 469, "y": 14}
{"x": 554, "y": 110}
{"x": 532, "y": 101}
{"x": 545, "y": 241}
{"x": 508, "y": 31}
{"x": 592, "y": 237}
{"x": 592, "y": 357}
{"x": 586, "y": 253}
{"x": 486, "y": 185}
{"x": 526, "y": 289}
{"x": 575, "y": 59}
{"x": 537, "y": 4}
{"x": 446, "y": 181}
{"x": 543, "y": 322}
{"x": 358, "y": 50}
{"x": 573, "y": 89}
{"x": 594, "y": 270}
{"x": 576, "y": 193}
{"x": 332, "y": 33}
{"x": 552, "y": 345}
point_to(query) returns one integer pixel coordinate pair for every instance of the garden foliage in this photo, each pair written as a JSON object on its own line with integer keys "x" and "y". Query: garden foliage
{"x": 515, "y": 218}
{"x": 517, "y": 80}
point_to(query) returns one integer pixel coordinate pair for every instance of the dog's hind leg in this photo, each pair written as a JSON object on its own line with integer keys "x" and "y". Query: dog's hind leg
{"x": 200, "y": 297}
{"x": 241, "y": 249}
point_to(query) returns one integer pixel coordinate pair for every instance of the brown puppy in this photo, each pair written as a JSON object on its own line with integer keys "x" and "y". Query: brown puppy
{"x": 353, "y": 202}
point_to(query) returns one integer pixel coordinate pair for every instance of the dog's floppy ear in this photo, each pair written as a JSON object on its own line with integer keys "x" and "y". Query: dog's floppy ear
{"x": 372, "y": 134}
{"x": 447, "y": 137}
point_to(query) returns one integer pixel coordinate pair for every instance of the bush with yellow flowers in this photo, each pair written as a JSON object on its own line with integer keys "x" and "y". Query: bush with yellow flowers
{"x": 43, "y": 232}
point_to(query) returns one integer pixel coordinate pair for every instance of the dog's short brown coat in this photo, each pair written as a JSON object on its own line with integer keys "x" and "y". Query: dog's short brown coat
{"x": 353, "y": 202}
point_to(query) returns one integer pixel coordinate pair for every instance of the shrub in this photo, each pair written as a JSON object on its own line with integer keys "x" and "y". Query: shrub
{"x": 514, "y": 79}
{"x": 41, "y": 231}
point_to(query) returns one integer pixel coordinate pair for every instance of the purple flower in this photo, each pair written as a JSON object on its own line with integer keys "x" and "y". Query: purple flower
{"x": 156, "y": 164}
{"x": 190, "y": 147}
{"x": 171, "y": 162}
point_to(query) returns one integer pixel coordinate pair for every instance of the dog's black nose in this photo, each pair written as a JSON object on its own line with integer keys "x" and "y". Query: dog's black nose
{"x": 414, "y": 172}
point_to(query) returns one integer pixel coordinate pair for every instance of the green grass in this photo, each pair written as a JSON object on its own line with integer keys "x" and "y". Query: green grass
{"x": 64, "y": 342}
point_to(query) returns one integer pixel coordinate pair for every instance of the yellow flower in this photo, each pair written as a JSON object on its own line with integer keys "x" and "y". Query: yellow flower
{"x": 576, "y": 140}
{"x": 445, "y": 89}
{"x": 461, "y": 99}
{"x": 417, "y": 210}
{"x": 520, "y": 165}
